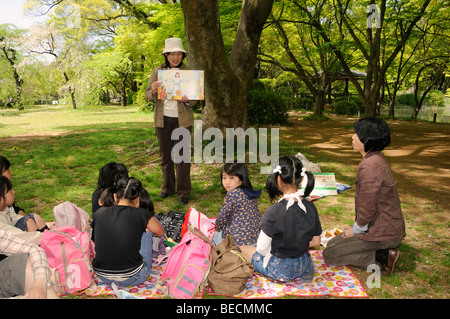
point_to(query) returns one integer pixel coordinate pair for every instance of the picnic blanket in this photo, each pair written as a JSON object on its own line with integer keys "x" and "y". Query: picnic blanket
{"x": 338, "y": 281}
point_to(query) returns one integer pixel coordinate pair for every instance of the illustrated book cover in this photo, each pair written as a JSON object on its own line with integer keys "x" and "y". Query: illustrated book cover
{"x": 177, "y": 83}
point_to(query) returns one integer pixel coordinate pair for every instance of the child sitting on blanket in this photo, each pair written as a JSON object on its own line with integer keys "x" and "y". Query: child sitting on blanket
{"x": 5, "y": 170}
{"x": 18, "y": 217}
{"x": 288, "y": 228}
{"x": 239, "y": 215}
{"x": 10, "y": 218}
{"x": 123, "y": 237}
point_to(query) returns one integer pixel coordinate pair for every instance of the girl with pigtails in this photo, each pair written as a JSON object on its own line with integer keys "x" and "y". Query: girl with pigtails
{"x": 123, "y": 236}
{"x": 289, "y": 227}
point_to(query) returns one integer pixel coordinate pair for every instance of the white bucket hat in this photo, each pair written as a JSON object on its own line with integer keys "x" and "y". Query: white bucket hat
{"x": 174, "y": 45}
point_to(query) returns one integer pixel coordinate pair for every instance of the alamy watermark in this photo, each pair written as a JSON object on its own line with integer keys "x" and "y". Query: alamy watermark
{"x": 373, "y": 14}
{"x": 374, "y": 279}
{"x": 213, "y": 152}
{"x": 73, "y": 273}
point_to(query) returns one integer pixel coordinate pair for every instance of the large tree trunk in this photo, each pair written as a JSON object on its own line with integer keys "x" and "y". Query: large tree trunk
{"x": 226, "y": 82}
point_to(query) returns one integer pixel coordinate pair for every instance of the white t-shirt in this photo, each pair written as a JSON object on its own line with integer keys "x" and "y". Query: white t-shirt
{"x": 171, "y": 106}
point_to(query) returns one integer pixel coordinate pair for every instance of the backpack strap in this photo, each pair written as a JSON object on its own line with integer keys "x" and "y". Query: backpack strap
{"x": 194, "y": 230}
{"x": 162, "y": 285}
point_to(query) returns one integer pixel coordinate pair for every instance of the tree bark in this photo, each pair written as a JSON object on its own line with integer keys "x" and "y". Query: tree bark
{"x": 71, "y": 91}
{"x": 123, "y": 91}
{"x": 19, "y": 89}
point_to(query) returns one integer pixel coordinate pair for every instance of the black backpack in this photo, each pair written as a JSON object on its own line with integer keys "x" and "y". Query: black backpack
{"x": 172, "y": 223}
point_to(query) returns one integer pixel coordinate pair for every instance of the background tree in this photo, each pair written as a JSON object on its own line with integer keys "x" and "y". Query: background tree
{"x": 367, "y": 35}
{"x": 303, "y": 51}
{"x": 428, "y": 77}
{"x": 427, "y": 45}
{"x": 305, "y": 37}
{"x": 9, "y": 36}
{"x": 47, "y": 40}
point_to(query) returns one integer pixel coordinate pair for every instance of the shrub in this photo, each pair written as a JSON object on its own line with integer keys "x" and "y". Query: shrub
{"x": 314, "y": 117}
{"x": 140, "y": 101}
{"x": 435, "y": 98}
{"x": 301, "y": 103}
{"x": 343, "y": 107}
{"x": 406, "y": 99}
{"x": 258, "y": 84}
{"x": 266, "y": 108}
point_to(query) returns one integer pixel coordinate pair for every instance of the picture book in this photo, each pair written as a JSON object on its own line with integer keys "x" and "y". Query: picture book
{"x": 177, "y": 83}
{"x": 324, "y": 185}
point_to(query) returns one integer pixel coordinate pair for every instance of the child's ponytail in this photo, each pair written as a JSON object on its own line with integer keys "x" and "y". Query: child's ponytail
{"x": 309, "y": 183}
{"x": 272, "y": 186}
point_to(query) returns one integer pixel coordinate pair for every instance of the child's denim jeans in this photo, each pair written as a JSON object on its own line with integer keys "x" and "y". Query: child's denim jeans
{"x": 285, "y": 269}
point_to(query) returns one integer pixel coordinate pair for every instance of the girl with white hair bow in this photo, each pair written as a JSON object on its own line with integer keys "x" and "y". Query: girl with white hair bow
{"x": 289, "y": 227}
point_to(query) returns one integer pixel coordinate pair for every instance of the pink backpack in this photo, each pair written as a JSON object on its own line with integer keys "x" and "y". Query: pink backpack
{"x": 70, "y": 253}
{"x": 69, "y": 214}
{"x": 188, "y": 265}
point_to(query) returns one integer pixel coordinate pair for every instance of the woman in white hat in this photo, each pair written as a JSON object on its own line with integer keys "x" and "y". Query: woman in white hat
{"x": 169, "y": 115}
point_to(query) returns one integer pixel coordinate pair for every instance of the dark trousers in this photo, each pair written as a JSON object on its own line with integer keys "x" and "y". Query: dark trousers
{"x": 354, "y": 251}
{"x": 176, "y": 177}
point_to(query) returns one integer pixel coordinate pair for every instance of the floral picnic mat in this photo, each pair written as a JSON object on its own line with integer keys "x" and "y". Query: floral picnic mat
{"x": 338, "y": 281}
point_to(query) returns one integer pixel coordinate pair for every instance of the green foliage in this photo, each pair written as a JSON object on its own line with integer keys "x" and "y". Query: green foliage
{"x": 345, "y": 108}
{"x": 406, "y": 99}
{"x": 301, "y": 103}
{"x": 287, "y": 87}
{"x": 314, "y": 117}
{"x": 347, "y": 105}
{"x": 435, "y": 98}
{"x": 141, "y": 102}
{"x": 266, "y": 108}
{"x": 128, "y": 36}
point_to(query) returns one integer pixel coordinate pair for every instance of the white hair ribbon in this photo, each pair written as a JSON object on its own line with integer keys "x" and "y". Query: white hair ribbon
{"x": 292, "y": 197}
{"x": 303, "y": 172}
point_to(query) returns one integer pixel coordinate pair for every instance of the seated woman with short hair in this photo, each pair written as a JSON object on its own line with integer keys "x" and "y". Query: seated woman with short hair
{"x": 379, "y": 225}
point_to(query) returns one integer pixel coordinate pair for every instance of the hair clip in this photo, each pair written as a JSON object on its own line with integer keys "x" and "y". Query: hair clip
{"x": 276, "y": 170}
{"x": 303, "y": 172}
